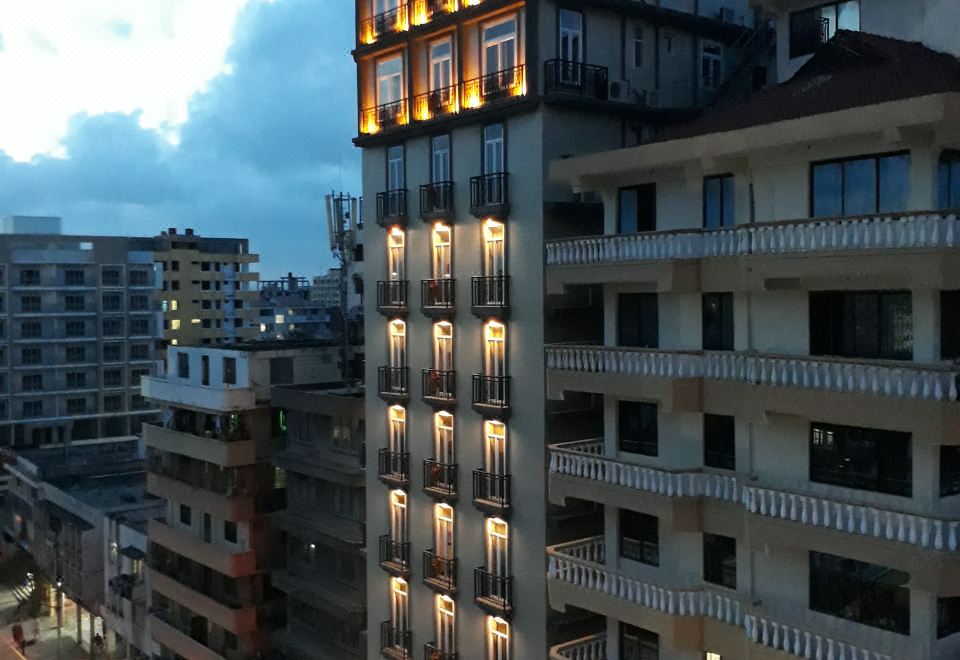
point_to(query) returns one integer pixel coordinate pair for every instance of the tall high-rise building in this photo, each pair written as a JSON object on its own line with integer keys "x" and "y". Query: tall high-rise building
{"x": 209, "y": 292}
{"x": 774, "y": 380}
{"x": 210, "y": 458}
{"x": 462, "y": 104}
{"x": 78, "y": 327}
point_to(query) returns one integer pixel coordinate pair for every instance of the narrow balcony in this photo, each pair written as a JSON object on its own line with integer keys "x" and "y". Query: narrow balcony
{"x": 565, "y": 78}
{"x": 440, "y": 573}
{"x": 438, "y": 297}
{"x": 393, "y": 468}
{"x": 384, "y": 116}
{"x": 440, "y": 479}
{"x": 436, "y": 103}
{"x": 834, "y": 376}
{"x": 425, "y": 11}
{"x": 433, "y": 651}
{"x": 395, "y": 643}
{"x": 593, "y": 474}
{"x": 392, "y": 208}
{"x": 392, "y": 297}
{"x": 395, "y": 556}
{"x": 592, "y": 647}
{"x": 577, "y": 575}
{"x": 394, "y": 20}
{"x": 394, "y": 384}
{"x": 436, "y": 201}
{"x": 492, "y": 592}
{"x": 439, "y": 388}
{"x": 490, "y": 296}
{"x": 491, "y": 395}
{"x": 490, "y": 196}
{"x": 491, "y": 492}
{"x": 494, "y": 87}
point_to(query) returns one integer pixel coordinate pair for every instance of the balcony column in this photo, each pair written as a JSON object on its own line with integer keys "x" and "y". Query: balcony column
{"x": 922, "y": 193}
{"x": 609, "y": 198}
{"x": 926, "y": 325}
{"x": 613, "y": 638}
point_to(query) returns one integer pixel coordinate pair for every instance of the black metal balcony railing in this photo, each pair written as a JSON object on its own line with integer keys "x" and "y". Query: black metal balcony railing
{"x": 439, "y": 387}
{"x": 438, "y": 102}
{"x": 493, "y": 87}
{"x": 493, "y": 592}
{"x": 393, "y": 383}
{"x": 394, "y": 555}
{"x": 385, "y": 115}
{"x": 491, "y": 394}
{"x": 577, "y": 78}
{"x": 392, "y": 207}
{"x": 440, "y": 478}
{"x": 393, "y": 466}
{"x": 489, "y": 195}
{"x": 440, "y": 572}
{"x": 491, "y": 492}
{"x": 490, "y": 296}
{"x": 395, "y": 642}
{"x": 437, "y": 7}
{"x": 392, "y": 296}
{"x": 437, "y": 296}
{"x": 394, "y": 20}
{"x": 436, "y": 200}
{"x": 432, "y": 651}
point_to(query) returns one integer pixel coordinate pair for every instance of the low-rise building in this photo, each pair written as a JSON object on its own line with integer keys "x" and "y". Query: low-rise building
{"x": 126, "y": 587}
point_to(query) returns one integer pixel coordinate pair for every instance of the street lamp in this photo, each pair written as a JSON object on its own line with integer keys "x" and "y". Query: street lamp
{"x": 59, "y": 612}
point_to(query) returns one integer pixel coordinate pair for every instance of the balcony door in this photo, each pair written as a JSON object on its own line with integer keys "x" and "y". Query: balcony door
{"x": 443, "y": 530}
{"x": 446, "y": 618}
{"x": 442, "y": 266}
{"x": 443, "y": 346}
{"x": 498, "y": 560}
{"x": 499, "y": 54}
{"x": 571, "y": 47}
{"x": 396, "y": 270}
{"x": 399, "y": 605}
{"x": 390, "y": 86}
{"x": 443, "y": 440}
{"x": 383, "y": 6}
{"x": 493, "y": 161}
{"x": 398, "y": 516}
{"x": 494, "y": 250}
{"x": 398, "y": 431}
{"x": 440, "y": 159}
{"x": 398, "y": 345}
{"x": 395, "y": 179}
{"x": 498, "y": 642}
{"x": 495, "y": 354}
{"x": 441, "y": 77}
{"x": 495, "y": 458}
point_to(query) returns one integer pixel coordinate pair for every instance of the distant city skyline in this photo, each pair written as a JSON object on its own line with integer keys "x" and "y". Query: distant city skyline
{"x": 134, "y": 116}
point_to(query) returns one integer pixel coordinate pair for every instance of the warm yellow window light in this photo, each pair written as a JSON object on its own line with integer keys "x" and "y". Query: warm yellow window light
{"x": 443, "y": 420}
{"x": 399, "y": 586}
{"x": 499, "y": 627}
{"x": 395, "y": 237}
{"x": 444, "y": 512}
{"x": 397, "y": 413}
{"x": 175, "y": 324}
{"x": 497, "y": 527}
{"x": 398, "y": 498}
{"x": 398, "y": 328}
{"x": 443, "y": 330}
{"x": 445, "y": 604}
{"x": 492, "y": 230}
{"x": 278, "y": 319}
{"x": 195, "y": 321}
{"x": 174, "y": 342}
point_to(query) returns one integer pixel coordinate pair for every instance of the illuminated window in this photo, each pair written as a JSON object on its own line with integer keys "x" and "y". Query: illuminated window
{"x": 175, "y": 324}
{"x": 397, "y": 429}
{"x": 398, "y": 516}
{"x": 498, "y": 639}
{"x": 497, "y": 555}
{"x": 443, "y": 531}
{"x": 441, "y": 75}
{"x": 443, "y": 437}
{"x": 445, "y": 625}
{"x": 494, "y": 263}
{"x": 398, "y": 344}
{"x": 399, "y": 606}
{"x": 395, "y": 254}
{"x": 443, "y": 346}
{"x": 390, "y": 80}
{"x": 442, "y": 266}
{"x": 495, "y": 357}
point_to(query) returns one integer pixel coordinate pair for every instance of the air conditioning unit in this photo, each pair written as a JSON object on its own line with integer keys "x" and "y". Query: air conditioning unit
{"x": 728, "y": 15}
{"x": 619, "y": 90}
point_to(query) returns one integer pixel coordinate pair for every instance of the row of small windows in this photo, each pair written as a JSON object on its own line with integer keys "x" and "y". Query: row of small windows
{"x": 110, "y": 302}
{"x": 861, "y": 185}
{"x": 35, "y": 408}
{"x": 78, "y": 277}
{"x": 110, "y": 327}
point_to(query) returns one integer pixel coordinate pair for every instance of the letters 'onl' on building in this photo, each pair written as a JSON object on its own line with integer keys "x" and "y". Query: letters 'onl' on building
{"x": 210, "y": 457}
{"x": 775, "y": 374}
{"x": 462, "y": 104}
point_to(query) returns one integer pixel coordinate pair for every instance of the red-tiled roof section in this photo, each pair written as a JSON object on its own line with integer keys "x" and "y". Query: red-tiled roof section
{"x": 853, "y": 69}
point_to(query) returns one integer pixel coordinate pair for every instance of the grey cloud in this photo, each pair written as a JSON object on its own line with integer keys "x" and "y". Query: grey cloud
{"x": 121, "y": 29}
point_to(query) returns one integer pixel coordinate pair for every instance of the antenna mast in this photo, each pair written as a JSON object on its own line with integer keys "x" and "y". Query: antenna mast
{"x": 342, "y": 217}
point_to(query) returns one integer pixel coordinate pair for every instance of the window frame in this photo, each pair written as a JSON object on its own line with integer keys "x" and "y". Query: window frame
{"x": 723, "y": 332}
{"x": 726, "y": 461}
{"x": 724, "y": 222}
{"x": 715, "y": 555}
{"x": 642, "y": 445}
{"x": 644, "y": 549}
{"x": 829, "y": 584}
{"x": 856, "y": 440}
{"x": 876, "y": 158}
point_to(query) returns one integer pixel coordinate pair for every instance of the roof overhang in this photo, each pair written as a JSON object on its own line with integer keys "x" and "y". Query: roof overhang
{"x": 895, "y": 119}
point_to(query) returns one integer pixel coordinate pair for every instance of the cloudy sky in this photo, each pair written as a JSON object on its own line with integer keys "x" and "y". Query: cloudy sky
{"x": 233, "y": 117}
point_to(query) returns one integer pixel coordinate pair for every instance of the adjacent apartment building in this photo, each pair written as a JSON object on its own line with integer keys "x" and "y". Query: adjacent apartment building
{"x": 208, "y": 290}
{"x": 778, "y": 463}
{"x": 211, "y": 554}
{"x": 78, "y": 322}
{"x": 462, "y": 105}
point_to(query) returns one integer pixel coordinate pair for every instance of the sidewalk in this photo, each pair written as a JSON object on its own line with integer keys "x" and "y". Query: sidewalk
{"x": 46, "y": 648}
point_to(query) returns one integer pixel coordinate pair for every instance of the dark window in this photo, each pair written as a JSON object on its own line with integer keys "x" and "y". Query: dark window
{"x": 112, "y": 352}
{"x": 717, "y": 321}
{"x": 75, "y": 303}
{"x": 637, "y": 427}
{"x": 230, "y": 531}
{"x": 638, "y": 643}
{"x": 859, "y": 186}
{"x": 637, "y": 320}
{"x": 811, "y": 27}
{"x": 857, "y": 591}
{"x": 863, "y": 324}
{"x": 30, "y": 329}
{"x": 32, "y": 382}
{"x": 861, "y": 458}
{"x": 948, "y": 180}
{"x": 139, "y": 303}
{"x": 33, "y": 408}
{"x": 112, "y": 302}
{"x": 204, "y": 369}
{"x": 718, "y": 210}
{"x": 948, "y": 616}
{"x": 140, "y": 327}
{"x": 640, "y": 537}
{"x": 112, "y": 403}
{"x": 139, "y": 277}
{"x": 31, "y": 355}
{"x": 719, "y": 442}
{"x": 112, "y": 377}
{"x": 76, "y": 406}
{"x": 74, "y": 278}
{"x": 637, "y": 209}
{"x": 29, "y": 303}
{"x": 76, "y": 328}
{"x": 720, "y": 560}
{"x": 110, "y": 277}
{"x": 112, "y": 327}
{"x": 183, "y": 365}
{"x": 949, "y": 324}
{"x": 139, "y": 351}
{"x": 76, "y": 379}
{"x": 281, "y": 371}
{"x": 949, "y": 470}
{"x": 185, "y": 514}
{"x": 76, "y": 354}
{"x": 29, "y": 277}
{"x": 230, "y": 370}
{"x": 174, "y": 265}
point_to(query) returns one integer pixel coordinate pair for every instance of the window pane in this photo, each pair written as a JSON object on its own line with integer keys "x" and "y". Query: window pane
{"x": 949, "y": 470}
{"x": 719, "y": 442}
{"x": 827, "y": 200}
{"x": 858, "y": 591}
{"x": 859, "y": 187}
{"x": 637, "y": 428}
{"x": 861, "y": 458}
{"x": 640, "y": 537}
{"x": 948, "y": 180}
{"x": 637, "y": 320}
{"x": 867, "y": 324}
{"x": 805, "y": 32}
{"x": 949, "y": 325}
{"x": 627, "y": 216}
{"x": 728, "y": 208}
{"x": 848, "y": 15}
{"x": 720, "y": 560}
{"x": 894, "y": 183}
{"x": 712, "y": 203}
{"x": 717, "y": 317}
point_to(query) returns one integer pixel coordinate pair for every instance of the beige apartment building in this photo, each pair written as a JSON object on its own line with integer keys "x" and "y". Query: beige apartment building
{"x": 209, "y": 293}
{"x": 778, "y": 466}
{"x": 210, "y": 556}
{"x": 462, "y": 105}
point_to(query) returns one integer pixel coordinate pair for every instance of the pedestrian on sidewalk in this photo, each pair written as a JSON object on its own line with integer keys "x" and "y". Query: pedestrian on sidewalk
{"x": 36, "y": 629}
{"x": 18, "y": 636}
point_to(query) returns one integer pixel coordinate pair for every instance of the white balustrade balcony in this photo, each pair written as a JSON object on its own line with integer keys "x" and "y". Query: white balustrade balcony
{"x": 581, "y": 563}
{"x": 593, "y": 647}
{"x": 900, "y": 380}
{"x": 584, "y": 459}
{"x": 902, "y": 231}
